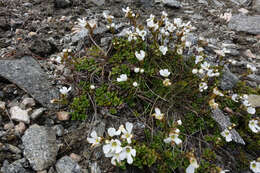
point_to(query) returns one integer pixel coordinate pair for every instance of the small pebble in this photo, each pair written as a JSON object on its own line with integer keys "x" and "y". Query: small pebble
{"x": 63, "y": 116}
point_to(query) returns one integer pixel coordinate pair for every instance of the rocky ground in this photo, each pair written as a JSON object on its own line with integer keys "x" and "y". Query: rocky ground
{"x": 37, "y": 136}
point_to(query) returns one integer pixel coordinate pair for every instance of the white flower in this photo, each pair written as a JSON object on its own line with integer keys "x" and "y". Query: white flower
{"x": 127, "y": 132}
{"x": 94, "y": 140}
{"x": 213, "y": 104}
{"x": 141, "y": 33}
{"x": 251, "y": 67}
{"x": 136, "y": 70}
{"x": 187, "y": 44}
{"x": 254, "y": 126}
{"x": 198, "y": 59}
{"x": 128, "y": 153}
{"x": 205, "y": 66}
{"x": 126, "y": 10}
{"x": 92, "y": 23}
{"x": 112, "y": 132}
{"x": 234, "y": 97}
{"x": 163, "y": 49}
{"x": 203, "y": 86}
{"x": 169, "y": 26}
{"x": 193, "y": 165}
{"x": 217, "y": 92}
{"x": 173, "y": 138}
{"x": 58, "y": 59}
{"x": 140, "y": 56}
{"x": 179, "y": 122}
{"x": 164, "y": 14}
{"x": 141, "y": 70}
{"x": 255, "y": 166}
{"x": 135, "y": 84}
{"x": 164, "y": 72}
{"x": 167, "y": 82}
{"x": 194, "y": 71}
{"x": 201, "y": 71}
{"x": 107, "y": 16}
{"x": 115, "y": 158}
{"x": 223, "y": 171}
{"x": 180, "y": 50}
{"x": 65, "y": 90}
{"x": 92, "y": 87}
{"x": 227, "y": 135}
{"x": 158, "y": 115}
{"x": 178, "y": 22}
{"x": 113, "y": 146}
{"x": 251, "y": 110}
{"x": 81, "y": 25}
{"x": 122, "y": 78}
{"x": 246, "y": 103}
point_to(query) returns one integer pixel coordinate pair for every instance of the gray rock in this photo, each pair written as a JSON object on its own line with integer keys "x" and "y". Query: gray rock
{"x": 254, "y": 77}
{"x": 249, "y": 24}
{"x": 256, "y": 5}
{"x": 37, "y": 113}
{"x": 67, "y": 165}
{"x": 218, "y": 3}
{"x": 224, "y": 122}
{"x": 242, "y": 2}
{"x": 40, "y": 147}
{"x": 172, "y": 3}
{"x": 59, "y": 129}
{"x": 15, "y": 167}
{"x": 28, "y": 75}
{"x": 42, "y": 47}
{"x": 28, "y": 102}
{"x": 94, "y": 168}
{"x": 98, "y": 2}
{"x": 62, "y": 3}
{"x": 11, "y": 148}
{"x": 18, "y": 114}
{"x": 254, "y": 100}
{"x": 228, "y": 80}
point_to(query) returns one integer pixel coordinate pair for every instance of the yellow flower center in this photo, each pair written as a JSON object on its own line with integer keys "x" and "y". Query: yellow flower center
{"x": 114, "y": 144}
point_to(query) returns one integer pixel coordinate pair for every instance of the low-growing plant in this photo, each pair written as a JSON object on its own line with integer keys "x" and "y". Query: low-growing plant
{"x": 161, "y": 76}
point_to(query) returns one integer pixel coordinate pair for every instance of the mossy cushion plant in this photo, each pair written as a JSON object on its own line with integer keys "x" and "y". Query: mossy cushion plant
{"x": 162, "y": 77}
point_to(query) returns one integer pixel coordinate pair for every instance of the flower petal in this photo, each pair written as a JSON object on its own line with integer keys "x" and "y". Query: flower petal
{"x": 129, "y": 127}
{"x": 106, "y": 148}
{"x": 190, "y": 169}
{"x": 129, "y": 159}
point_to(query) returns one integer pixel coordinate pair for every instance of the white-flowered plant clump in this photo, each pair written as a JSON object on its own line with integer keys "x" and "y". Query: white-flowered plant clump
{"x": 168, "y": 36}
{"x": 112, "y": 147}
{"x": 254, "y": 123}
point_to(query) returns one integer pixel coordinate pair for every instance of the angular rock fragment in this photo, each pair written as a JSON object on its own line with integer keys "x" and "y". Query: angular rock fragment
{"x": 18, "y": 114}
{"x": 98, "y": 2}
{"x": 15, "y": 167}
{"x": 62, "y": 3}
{"x": 249, "y": 24}
{"x": 224, "y": 122}
{"x": 228, "y": 80}
{"x": 28, "y": 75}
{"x": 254, "y": 100}
{"x": 172, "y": 3}
{"x": 67, "y": 165}
{"x": 40, "y": 147}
